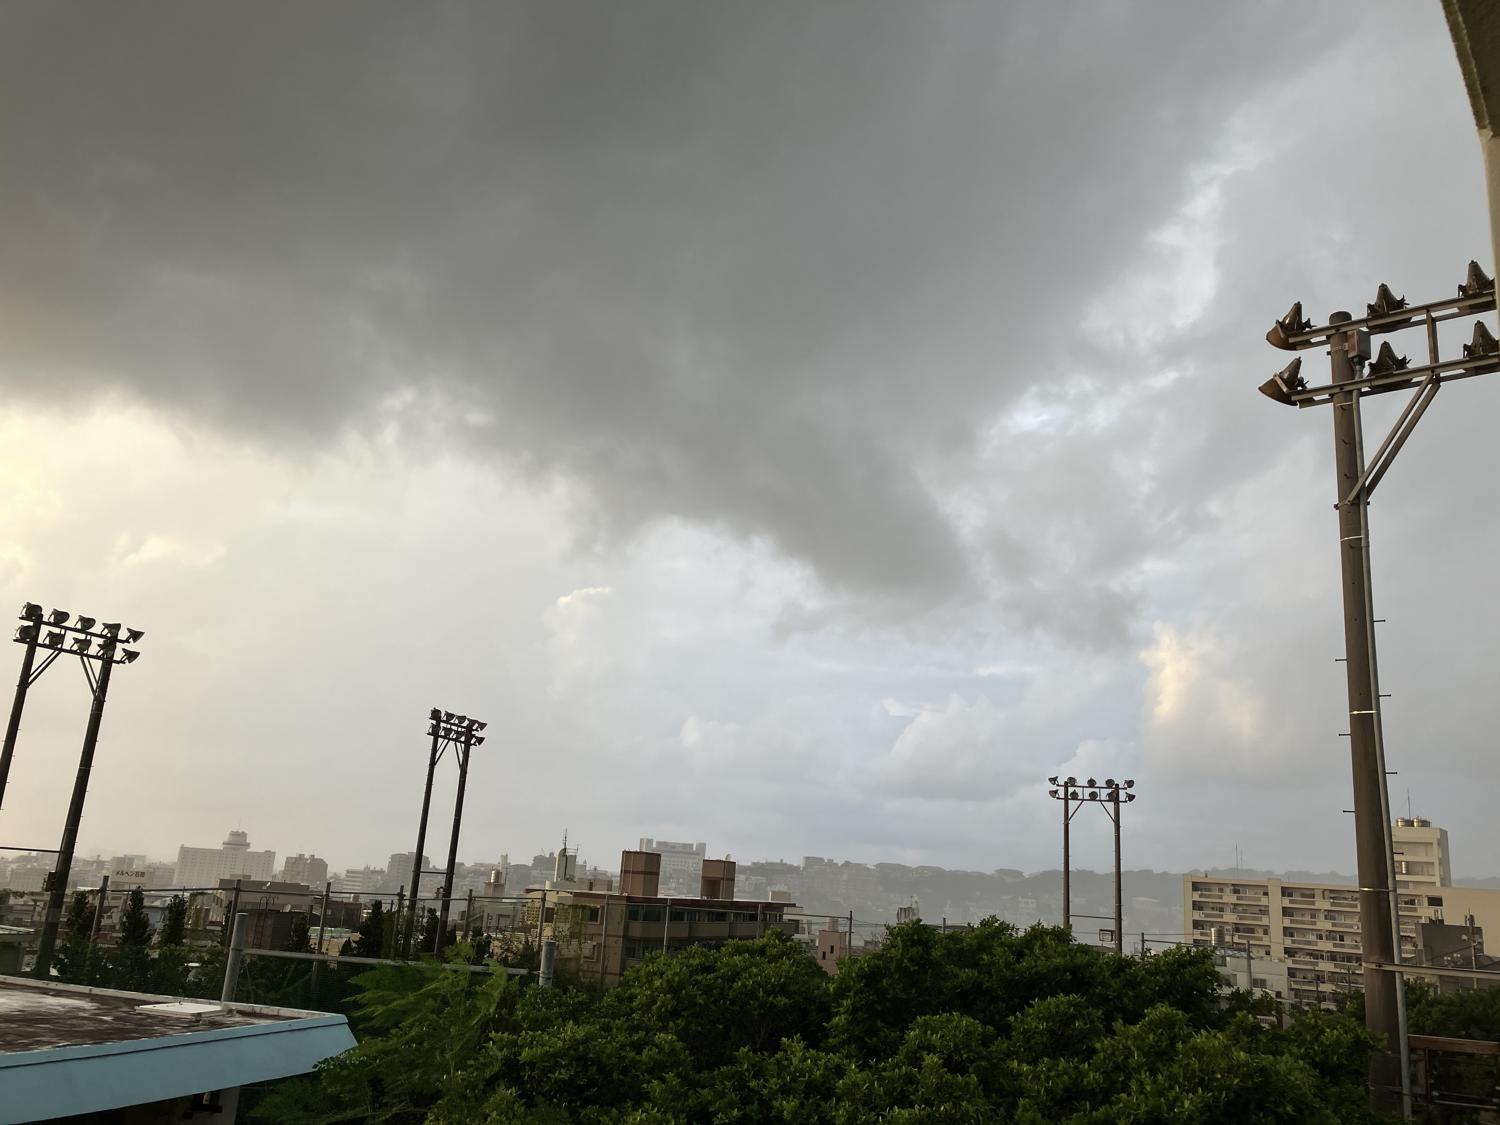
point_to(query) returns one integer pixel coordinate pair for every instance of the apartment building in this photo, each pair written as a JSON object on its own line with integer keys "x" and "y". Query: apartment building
{"x": 681, "y": 864}
{"x": 204, "y": 867}
{"x": 1315, "y": 928}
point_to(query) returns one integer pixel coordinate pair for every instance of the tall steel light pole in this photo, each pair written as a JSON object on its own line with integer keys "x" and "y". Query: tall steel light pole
{"x": 445, "y": 729}
{"x": 1069, "y": 798}
{"x": 1354, "y": 377}
{"x": 1109, "y": 796}
{"x": 98, "y": 647}
{"x": 467, "y": 736}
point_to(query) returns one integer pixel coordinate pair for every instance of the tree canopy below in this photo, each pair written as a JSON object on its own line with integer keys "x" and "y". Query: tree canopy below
{"x": 976, "y": 1025}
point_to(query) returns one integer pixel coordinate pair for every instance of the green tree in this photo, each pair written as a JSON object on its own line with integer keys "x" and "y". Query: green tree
{"x": 174, "y": 926}
{"x": 73, "y": 960}
{"x": 372, "y": 931}
{"x": 980, "y": 1025}
{"x": 300, "y": 939}
{"x": 135, "y": 926}
{"x": 428, "y": 936}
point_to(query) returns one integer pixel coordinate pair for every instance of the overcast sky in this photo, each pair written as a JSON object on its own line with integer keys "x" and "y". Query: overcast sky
{"x": 799, "y": 427}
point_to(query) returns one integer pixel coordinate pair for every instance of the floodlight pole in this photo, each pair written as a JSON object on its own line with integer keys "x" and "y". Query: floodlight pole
{"x": 1067, "y": 903}
{"x": 1371, "y": 816}
{"x": 416, "y": 864}
{"x": 60, "y": 873}
{"x": 1348, "y": 342}
{"x": 1113, "y": 808}
{"x": 462, "y": 749}
{"x": 13, "y": 728}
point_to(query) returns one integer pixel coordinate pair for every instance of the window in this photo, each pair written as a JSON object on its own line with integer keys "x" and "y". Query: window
{"x": 1434, "y": 900}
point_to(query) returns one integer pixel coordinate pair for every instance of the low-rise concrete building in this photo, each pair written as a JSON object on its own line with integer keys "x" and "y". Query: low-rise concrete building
{"x": 601, "y": 933}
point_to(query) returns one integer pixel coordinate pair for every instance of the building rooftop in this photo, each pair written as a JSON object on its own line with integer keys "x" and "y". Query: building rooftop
{"x": 65, "y": 1049}
{"x": 675, "y": 900}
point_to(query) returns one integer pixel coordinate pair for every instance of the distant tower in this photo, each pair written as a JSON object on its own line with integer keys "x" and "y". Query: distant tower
{"x": 565, "y": 869}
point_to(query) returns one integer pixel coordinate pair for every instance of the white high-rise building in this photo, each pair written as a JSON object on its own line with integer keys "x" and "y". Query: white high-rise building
{"x": 204, "y": 867}
{"x": 1421, "y": 853}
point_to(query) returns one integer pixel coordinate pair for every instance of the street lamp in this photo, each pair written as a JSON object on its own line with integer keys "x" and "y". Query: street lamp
{"x": 460, "y": 732}
{"x": 98, "y": 653}
{"x": 1348, "y": 344}
{"x": 1109, "y": 795}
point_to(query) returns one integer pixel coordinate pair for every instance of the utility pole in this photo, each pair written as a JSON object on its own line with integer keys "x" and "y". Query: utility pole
{"x": 416, "y": 862}
{"x": 106, "y": 656}
{"x": 1114, "y": 814}
{"x": 1109, "y": 796}
{"x": 462, "y": 733}
{"x": 1067, "y": 795}
{"x": 103, "y": 906}
{"x": 1373, "y": 856}
{"x": 28, "y": 635}
{"x": 1348, "y": 343}
{"x": 461, "y": 752}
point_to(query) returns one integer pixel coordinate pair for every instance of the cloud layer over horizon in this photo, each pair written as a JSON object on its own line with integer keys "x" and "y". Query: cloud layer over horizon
{"x": 802, "y": 428}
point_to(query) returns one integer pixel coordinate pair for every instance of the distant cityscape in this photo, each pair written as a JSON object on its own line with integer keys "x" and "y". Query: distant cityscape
{"x": 874, "y": 893}
{"x": 1299, "y": 930}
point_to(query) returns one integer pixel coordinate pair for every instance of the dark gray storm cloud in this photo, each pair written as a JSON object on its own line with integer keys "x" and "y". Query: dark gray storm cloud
{"x": 774, "y": 267}
{"x": 849, "y": 406}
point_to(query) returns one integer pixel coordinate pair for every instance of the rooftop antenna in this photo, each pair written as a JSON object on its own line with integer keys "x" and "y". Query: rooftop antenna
{"x": 1408, "y": 803}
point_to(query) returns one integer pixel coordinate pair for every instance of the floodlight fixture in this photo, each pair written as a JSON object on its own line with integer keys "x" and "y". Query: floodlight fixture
{"x": 1092, "y": 782}
{"x": 57, "y": 617}
{"x": 1483, "y": 342}
{"x": 1129, "y": 783}
{"x": 1052, "y": 793}
{"x": 1052, "y": 781}
{"x": 447, "y": 716}
{"x": 53, "y": 639}
{"x": 1476, "y": 283}
{"x": 84, "y": 623}
{"x": 129, "y": 655}
{"x": 434, "y": 714}
{"x": 1109, "y": 783}
{"x": 133, "y": 635}
{"x": 81, "y": 644}
{"x": 112, "y": 628}
{"x": 26, "y": 633}
{"x": 107, "y": 647}
{"x": 480, "y": 724}
{"x": 1386, "y": 302}
{"x": 1281, "y": 386}
{"x": 1072, "y": 781}
{"x": 1387, "y": 362}
{"x": 31, "y": 611}
{"x": 1288, "y": 326}
{"x": 478, "y": 740}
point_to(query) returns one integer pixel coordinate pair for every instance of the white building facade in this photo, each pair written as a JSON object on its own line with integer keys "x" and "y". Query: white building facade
{"x": 204, "y": 867}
